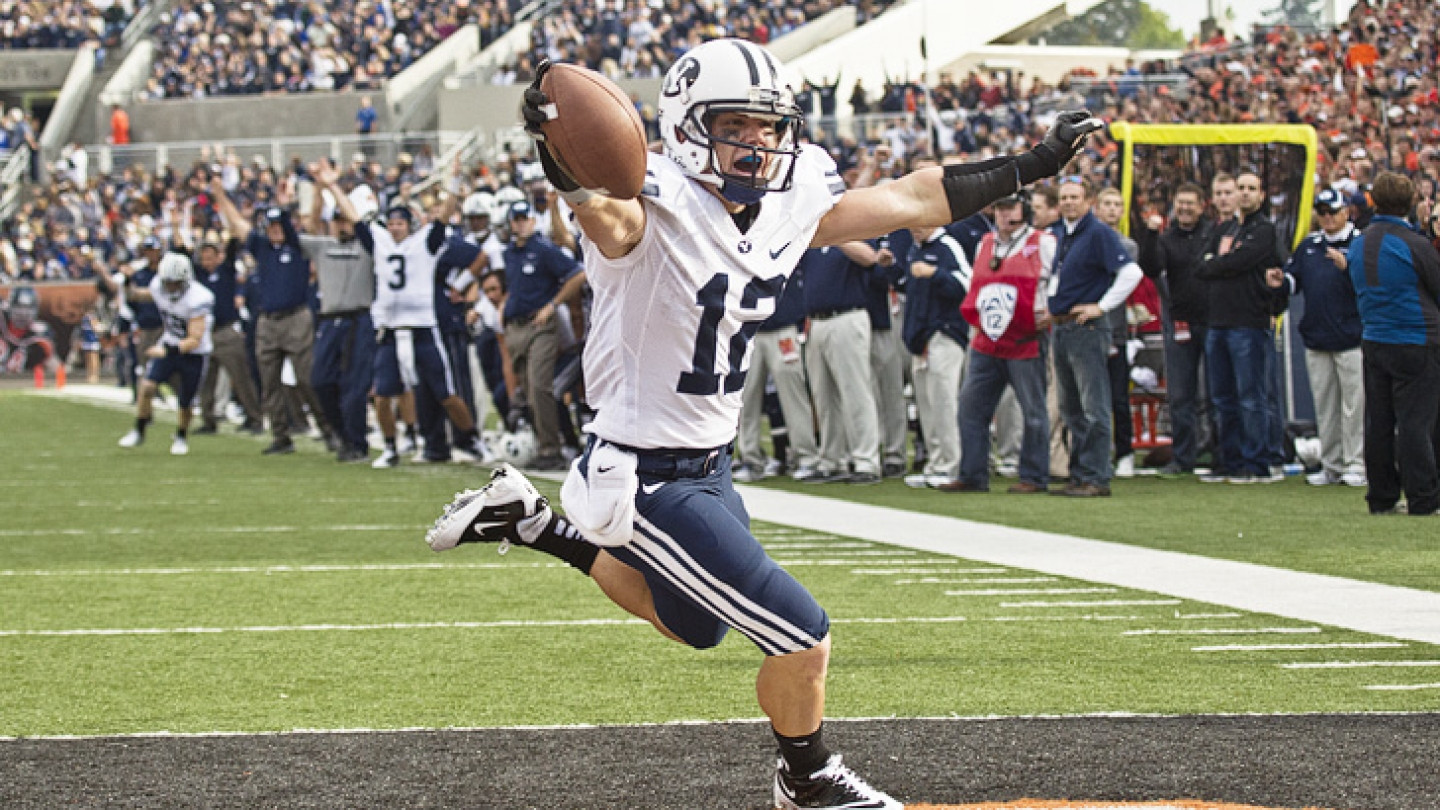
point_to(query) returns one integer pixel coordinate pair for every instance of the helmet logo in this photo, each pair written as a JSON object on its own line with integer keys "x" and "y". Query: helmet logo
{"x": 682, "y": 77}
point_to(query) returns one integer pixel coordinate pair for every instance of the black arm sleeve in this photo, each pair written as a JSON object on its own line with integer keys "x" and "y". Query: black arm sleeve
{"x": 365, "y": 236}
{"x": 435, "y": 239}
{"x": 969, "y": 188}
{"x": 972, "y": 186}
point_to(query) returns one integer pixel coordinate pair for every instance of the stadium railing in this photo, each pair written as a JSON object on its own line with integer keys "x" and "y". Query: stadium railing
{"x": 277, "y": 152}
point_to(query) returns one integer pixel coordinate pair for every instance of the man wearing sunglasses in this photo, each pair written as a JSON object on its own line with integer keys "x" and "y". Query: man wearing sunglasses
{"x": 1330, "y": 329}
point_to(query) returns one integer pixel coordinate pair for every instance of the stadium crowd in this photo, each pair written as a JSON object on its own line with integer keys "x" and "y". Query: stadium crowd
{"x": 66, "y": 24}
{"x": 1368, "y": 86}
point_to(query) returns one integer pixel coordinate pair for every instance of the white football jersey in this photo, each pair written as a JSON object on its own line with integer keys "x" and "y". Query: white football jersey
{"x": 404, "y": 279}
{"x": 666, "y": 356}
{"x": 177, "y": 312}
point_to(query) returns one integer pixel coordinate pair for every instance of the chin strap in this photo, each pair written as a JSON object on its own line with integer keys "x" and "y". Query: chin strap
{"x": 740, "y": 195}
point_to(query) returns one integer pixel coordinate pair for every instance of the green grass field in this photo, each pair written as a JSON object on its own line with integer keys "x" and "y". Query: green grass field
{"x": 226, "y": 591}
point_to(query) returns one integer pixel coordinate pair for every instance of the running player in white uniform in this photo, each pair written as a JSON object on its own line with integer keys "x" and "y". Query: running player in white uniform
{"x": 187, "y": 313}
{"x": 411, "y": 353}
{"x": 682, "y": 277}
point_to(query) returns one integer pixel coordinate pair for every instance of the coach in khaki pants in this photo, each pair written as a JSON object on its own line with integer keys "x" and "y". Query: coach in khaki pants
{"x": 936, "y": 335}
{"x": 284, "y": 326}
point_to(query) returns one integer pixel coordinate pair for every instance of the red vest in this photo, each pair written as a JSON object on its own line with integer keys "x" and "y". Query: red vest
{"x": 1001, "y": 302}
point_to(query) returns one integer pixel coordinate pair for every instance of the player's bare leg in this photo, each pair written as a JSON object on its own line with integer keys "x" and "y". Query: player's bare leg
{"x": 627, "y": 588}
{"x": 385, "y": 415}
{"x": 143, "y": 412}
{"x": 791, "y": 689}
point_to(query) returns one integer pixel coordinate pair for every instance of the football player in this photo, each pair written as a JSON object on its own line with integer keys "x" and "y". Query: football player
{"x": 25, "y": 341}
{"x": 411, "y": 353}
{"x": 187, "y": 312}
{"x": 682, "y": 277}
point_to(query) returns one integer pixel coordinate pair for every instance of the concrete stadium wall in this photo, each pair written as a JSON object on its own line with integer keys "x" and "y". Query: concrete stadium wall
{"x": 35, "y": 70}
{"x": 1049, "y": 63}
{"x": 321, "y": 113}
{"x": 495, "y": 107}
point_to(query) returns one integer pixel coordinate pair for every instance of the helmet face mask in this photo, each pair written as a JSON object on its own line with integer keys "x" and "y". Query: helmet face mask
{"x": 737, "y": 77}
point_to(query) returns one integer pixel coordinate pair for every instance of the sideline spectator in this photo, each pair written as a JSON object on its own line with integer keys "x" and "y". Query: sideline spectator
{"x": 1396, "y": 274}
{"x": 1005, "y": 302}
{"x": 1093, "y": 276}
{"x": 1331, "y": 331}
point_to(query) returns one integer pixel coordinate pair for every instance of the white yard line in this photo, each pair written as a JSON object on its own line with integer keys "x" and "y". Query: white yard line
{"x": 1357, "y": 664}
{"x": 1334, "y": 645}
{"x": 1367, "y": 607}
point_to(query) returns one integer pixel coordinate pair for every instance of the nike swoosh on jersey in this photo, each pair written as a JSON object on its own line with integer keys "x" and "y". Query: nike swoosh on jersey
{"x": 775, "y": 254}
{"x": 603, "y": 470}
{"x": 651, "y": 489}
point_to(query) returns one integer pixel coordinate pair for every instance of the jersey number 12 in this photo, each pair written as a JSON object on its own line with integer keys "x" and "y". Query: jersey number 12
{"x": 703, "y": 378}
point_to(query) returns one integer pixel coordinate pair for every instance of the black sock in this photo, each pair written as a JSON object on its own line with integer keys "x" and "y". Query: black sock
{"x": 411, "y": 432}
{"x": 141, "y": 422}
{"x": 561, "y": 540}
{"x": 180, "y": 433}
{"x": 803, "y": 755}
{"x": 390, "y": 443}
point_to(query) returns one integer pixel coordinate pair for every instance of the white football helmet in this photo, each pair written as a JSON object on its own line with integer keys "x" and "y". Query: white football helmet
{"x": 518, "y": 447}
{"x": 478, "y": 204}
{"x": 175, "y": 273}
{"x": 730, "y": 75}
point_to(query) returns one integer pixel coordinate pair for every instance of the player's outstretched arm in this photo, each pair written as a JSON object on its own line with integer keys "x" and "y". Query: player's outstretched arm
{"x": 933, "y": 197}
{"x": 614, "y": 226}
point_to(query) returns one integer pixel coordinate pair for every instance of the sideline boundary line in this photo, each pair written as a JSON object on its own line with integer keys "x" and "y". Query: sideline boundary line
{"x": 1367, "y": 607}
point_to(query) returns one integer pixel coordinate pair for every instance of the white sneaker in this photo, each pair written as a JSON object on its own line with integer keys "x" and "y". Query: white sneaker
{"x": 404, "y": 446}
{"x": 934, "y": 481}
{"x": 804, "y": 473}
{"x": 132, "y": 439}
{"x": 489, "y": 514}
{"x": 1007, "y": 470}
{"x": 834, "y": 787}
{"x": 179, "y": 447}
{"x": 1354, "y": 479}
{"x": 917, "y": 480}
{"x": 746, "y": 473}
{"x": 389, "y": 458}
{"x": 773, "y": 468}
{"x": 1324, "y": 478}
{"x": 1125, "y": 466}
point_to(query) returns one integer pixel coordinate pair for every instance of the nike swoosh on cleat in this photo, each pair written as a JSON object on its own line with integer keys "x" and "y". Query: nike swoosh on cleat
{"x": 775, "y": 254}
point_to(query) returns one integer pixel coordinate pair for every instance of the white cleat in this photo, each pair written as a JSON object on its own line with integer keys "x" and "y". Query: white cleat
{"x": 132, "y": 439}
{"x": 179, "y": 447}
{"x": 387, "y": 459}
{"x": 489, "y": 514}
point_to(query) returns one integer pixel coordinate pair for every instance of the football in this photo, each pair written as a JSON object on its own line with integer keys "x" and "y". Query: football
{"x": 596, "y": 133}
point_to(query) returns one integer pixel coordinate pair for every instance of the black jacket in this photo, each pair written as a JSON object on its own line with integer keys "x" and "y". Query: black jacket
{"x": 1174, "y": 255}
{"x": 1235, "y": 281}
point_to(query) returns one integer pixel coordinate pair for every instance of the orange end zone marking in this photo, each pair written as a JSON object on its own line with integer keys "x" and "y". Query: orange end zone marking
{"x": 1074, "y": 804}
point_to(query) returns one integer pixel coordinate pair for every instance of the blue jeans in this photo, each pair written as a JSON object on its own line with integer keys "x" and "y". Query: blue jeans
{"x": 1082, "y": 382}
{"x": 1182, "y": 386}
{"x": 980, "y": 394}
{"x": 1236, "y": 362}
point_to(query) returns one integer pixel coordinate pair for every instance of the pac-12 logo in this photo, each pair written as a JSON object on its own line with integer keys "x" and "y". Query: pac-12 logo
{"x": 995, "y": 304}
{"x": 683, "y": 77}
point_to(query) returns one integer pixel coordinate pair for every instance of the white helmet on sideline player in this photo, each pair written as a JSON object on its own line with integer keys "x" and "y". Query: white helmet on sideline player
{"x": 175, "y": 273}
{"x": 730, "y": 75}
{"x": 478, "y": 204}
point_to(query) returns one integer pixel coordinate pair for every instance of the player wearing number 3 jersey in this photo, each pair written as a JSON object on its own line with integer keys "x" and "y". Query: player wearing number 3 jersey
{"x": 682, "y": 277}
